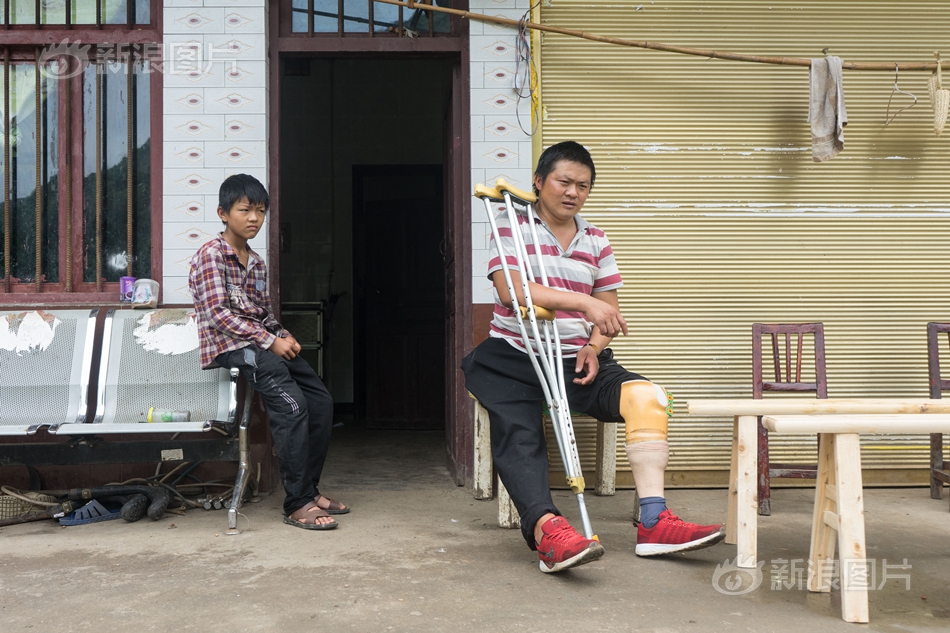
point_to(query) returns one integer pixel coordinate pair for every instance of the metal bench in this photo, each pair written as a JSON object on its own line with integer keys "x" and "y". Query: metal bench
{"x": 149, "y": 359}
{"x": 45, "y": 362}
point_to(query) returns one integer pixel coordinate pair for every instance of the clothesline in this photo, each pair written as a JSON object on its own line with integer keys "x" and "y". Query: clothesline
{"x": 657, "y": 46}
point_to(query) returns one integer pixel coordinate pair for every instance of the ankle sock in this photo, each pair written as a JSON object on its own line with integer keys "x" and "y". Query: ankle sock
{"x": 650, "y": 509}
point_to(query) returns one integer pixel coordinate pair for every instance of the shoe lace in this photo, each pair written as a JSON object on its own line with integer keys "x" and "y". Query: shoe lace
{"x": 563, "y": 535}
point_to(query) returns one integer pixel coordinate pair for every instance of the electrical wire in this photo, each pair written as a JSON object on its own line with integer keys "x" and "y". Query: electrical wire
{"x": 526, "y": 74}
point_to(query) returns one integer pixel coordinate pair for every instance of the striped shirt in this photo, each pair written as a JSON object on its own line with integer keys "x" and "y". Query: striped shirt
{"x": 232, "y": 302}
{"x": 587, "y": 266}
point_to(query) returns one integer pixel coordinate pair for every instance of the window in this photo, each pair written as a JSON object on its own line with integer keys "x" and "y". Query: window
{"x": 77, "y": 149}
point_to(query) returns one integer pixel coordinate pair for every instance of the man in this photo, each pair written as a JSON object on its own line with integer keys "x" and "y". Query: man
{"x": 583, "y": 279}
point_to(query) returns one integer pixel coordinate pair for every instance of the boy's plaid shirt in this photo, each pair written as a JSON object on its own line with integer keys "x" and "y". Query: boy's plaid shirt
{"x": 232, "y": 302}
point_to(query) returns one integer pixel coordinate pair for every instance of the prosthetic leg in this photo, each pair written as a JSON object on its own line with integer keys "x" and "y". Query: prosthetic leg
{"x": 644, "y": 408}
{"x": 545, "y": 354}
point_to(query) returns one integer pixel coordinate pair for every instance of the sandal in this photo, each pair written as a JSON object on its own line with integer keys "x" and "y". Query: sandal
{"x": 333, "y": 506}
{"x": 306, "y": 518}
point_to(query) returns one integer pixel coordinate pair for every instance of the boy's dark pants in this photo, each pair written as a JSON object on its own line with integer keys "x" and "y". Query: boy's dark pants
{"x": 301, "y": 417}
{"x": 503, "y": 380}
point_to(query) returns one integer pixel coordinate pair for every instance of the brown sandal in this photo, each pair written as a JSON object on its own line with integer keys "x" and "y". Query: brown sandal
{"x": 333, "y": 506}
{"x": 306, "y": 518}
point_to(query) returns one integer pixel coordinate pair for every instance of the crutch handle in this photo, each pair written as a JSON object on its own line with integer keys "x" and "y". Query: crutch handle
{"x": 502, "y": 185}
{"x": 492, "y": 193}
{"x": 542, "y": 313}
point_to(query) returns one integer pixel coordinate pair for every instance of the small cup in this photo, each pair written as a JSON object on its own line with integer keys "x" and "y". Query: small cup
{"x": 125, "y": 288}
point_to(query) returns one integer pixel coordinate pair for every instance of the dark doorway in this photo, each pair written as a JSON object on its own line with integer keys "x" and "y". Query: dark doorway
{"x": 399, "y": 282}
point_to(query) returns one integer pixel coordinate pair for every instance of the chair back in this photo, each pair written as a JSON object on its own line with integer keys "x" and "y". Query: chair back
{"x": 783, "y": 349}
{"x": 937, "y": 384}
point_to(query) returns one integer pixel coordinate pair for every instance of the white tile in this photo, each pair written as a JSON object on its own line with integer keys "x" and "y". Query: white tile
{"x": 489, "y": 6}
{"x": 481, "y": 232}
{"x": 180, "y": 236}
{"x": 495, "y": 28}
{"x": 492, "y": 155}
{"x": 244, "y": 74}
{"x": 188, "y": 209}
{"x": 211, "y": 208}
{"x": 234, "y": 3}
{"x": 174, "y": 291}
{"x": 177, "y": 262}
{"x": 489, "y": 101}
{"x": 236, "y": 100}
{"x": 194, "y": 75}
{"x": 183, "y": 3}
{"x": 245, "y": 20}
{"x": 246, "y": 127}
{"x": 498, "y": 76}
{"x": 183, "y": 155}
{"x": 503, "y": 129}
{"x": 187, "y": 182}
{"x": 525, "y": 160}
{"x": 193, "y": 128}
{"x": 482, "y": 290}
{"x": 188, "y": 101}
{"x": 259, "y": 243}
{"x": 492, "y": 48}
{"x": 245, "y": 46}
{"x": 517, "y": 177}
{"x": 477, "y": 129}
{"x": 237, "y": 155}
{"x": 193, "y": 20}
{"x": 180, "y": 48}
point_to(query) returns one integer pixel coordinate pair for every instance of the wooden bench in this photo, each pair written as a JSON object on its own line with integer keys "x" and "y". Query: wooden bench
{"x": 487, "y": 483}
{"x": 838, "y": 517}
{"x": 148, "y": 359}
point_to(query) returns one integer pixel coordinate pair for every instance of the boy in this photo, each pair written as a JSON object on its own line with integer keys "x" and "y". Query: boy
{"x": 236, "y": 328}
{"x": 584, "y": 279}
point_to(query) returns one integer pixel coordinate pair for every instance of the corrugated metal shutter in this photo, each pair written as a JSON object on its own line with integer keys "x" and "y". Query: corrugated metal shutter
{"x": 719, "y": 217}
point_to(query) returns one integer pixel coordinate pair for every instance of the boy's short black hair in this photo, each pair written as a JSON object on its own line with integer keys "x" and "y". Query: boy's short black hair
{"x": 239, "y": 186}
{"x": 565, "y": 150}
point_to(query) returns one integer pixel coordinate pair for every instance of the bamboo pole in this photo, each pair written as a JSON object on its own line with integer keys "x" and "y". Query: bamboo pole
{"x": 658, "y": 46}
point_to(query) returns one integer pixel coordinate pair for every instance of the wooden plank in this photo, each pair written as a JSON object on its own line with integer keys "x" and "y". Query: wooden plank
{"x": 508, "y": 516}
{"x": 606, "y": 459}
{"x": 852, "y": 552}
{"x": 731, "y": 516}
{"x": 822, "y": 549}
{"x": 904, "y": 423}
{"x": 807, "y": 406}
{"x": 747, "y": 503}
{"x": 482, "y": 471}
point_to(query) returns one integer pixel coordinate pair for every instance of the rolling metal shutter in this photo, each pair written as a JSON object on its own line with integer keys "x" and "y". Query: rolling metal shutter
{"x": 719, "y": 217}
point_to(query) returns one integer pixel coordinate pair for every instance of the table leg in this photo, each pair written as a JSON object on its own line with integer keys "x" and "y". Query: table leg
{"x": 731, "y": 518}
{"x": 854, "y": 571}
{"x": 747, "y": 503}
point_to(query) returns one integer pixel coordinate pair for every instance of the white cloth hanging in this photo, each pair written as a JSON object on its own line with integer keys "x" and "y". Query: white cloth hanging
{"x": 826, "y": 111}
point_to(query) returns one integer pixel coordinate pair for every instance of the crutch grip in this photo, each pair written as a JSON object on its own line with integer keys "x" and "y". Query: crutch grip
{"x": 492, "y": 193}
{"x": 502, "y": 186}
{"x": 542, "y": 313}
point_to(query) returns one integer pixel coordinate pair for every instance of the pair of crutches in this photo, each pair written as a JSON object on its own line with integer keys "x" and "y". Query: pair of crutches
{"x": 547, "y": 361}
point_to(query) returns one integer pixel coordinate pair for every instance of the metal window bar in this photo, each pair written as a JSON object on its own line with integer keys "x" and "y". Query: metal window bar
{"x": 339, "y": 17}
{"x": 69, "y": 14}
{"x": 36, "y": 10}
{"x": 129, "y": 101}
{"x": 6, "y": 14}
{"x": 370, "y": 13}
{"x": 98, "y": 14}
{"x": 39, "y": 170}
{"x": 130, "y": 14}
{"x": 6, "y": 166}
{"x": 310, "y": 17}
{"x": 98, "y": 132}
{"x": 67, "y": 172}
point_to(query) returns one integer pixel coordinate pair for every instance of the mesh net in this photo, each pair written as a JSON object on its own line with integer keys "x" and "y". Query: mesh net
{"x": 35, "y": 384}
{"x": 150, "y": 378}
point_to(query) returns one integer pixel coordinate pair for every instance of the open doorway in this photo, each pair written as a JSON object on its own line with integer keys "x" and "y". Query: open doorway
{"x": 363, "y": 158}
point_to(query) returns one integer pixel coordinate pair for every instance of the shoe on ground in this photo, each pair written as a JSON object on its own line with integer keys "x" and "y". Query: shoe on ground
{"x": 671, "y": 534}
{"x": 562, "y": 547}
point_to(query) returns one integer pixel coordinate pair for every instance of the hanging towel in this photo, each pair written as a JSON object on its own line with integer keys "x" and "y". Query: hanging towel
{"x": 826, "y": 111}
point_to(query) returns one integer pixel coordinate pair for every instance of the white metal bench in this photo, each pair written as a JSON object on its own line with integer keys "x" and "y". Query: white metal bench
{"x": 45, "y": 361}
{"x": 839, "y": 500}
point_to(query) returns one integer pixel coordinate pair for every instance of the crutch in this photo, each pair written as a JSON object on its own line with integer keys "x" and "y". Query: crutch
{"x": 547, "y": 362}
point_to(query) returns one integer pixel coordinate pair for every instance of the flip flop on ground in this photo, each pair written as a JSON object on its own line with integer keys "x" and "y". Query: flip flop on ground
{"x": 308, "y": 518}
{"x": 331, "y": 506}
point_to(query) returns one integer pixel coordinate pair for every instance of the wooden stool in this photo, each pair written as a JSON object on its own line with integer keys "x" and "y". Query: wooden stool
{"x": 486, "y": 482}
{"x": 839, "y": 500}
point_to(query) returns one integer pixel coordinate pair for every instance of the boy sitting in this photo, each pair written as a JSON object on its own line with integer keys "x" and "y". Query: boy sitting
{"x": 236, "y": 328}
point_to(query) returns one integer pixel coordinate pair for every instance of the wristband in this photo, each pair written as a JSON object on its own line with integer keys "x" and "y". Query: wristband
{"x": 594, "y": 346}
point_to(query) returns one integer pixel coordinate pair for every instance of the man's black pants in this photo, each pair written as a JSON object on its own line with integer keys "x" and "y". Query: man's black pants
{"x": 503, "y": 380}
{"x": 301, "y": 417}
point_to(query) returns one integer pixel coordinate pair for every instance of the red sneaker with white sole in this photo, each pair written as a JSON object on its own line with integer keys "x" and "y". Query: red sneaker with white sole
{"x": 671, "y": 534}
{"x": 562, "y": 547}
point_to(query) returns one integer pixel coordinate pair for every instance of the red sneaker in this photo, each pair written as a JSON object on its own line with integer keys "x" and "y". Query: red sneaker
{"x": 561, "y": 547}
{"x": 672, "y": 534}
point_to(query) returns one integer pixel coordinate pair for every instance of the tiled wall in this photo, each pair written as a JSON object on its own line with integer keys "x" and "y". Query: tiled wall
{"x": 500, "y": 149}
{"x": 215, "y": 102}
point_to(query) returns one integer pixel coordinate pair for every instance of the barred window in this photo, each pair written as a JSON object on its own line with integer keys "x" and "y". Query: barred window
{"x": 76, "y": 150}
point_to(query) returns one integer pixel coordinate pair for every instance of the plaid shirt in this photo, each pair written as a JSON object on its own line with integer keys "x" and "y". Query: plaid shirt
{"x": 232, "y": 302}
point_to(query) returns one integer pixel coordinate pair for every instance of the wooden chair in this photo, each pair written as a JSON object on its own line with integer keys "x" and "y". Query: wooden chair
{"x": 938, "y": 467}
{"x": 786, "y": 381}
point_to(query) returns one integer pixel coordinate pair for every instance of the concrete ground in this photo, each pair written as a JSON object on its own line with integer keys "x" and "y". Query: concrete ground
{"x": 418, "y": 553}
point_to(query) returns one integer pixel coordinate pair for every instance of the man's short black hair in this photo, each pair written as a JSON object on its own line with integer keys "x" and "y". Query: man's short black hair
{"x": 239, "y": 186}
{"x": 565, "y": 150}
